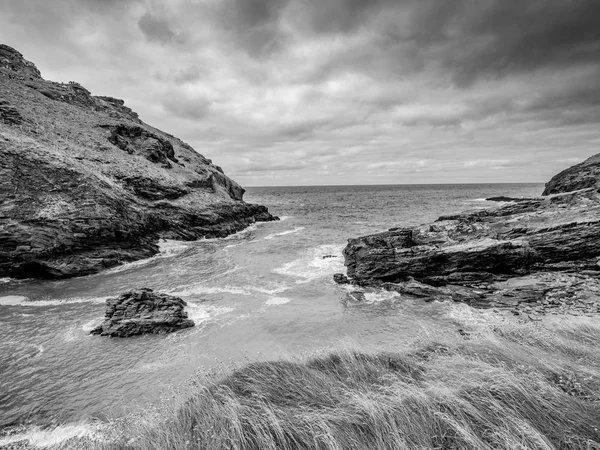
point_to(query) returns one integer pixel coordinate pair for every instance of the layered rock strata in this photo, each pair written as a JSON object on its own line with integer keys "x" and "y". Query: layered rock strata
{"x": 143, "y": 311}
{"x": 494, "y": 257}
{"x": 86, "y": 185}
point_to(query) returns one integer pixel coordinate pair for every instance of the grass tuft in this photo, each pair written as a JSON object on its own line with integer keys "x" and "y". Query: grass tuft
{"x": 514, "y": 387}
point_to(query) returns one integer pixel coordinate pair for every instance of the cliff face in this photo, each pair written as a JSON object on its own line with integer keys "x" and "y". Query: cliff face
{"x": 86, "y": 185}
{"x": 521, "y": 253}
{"x": 581, "y": 176}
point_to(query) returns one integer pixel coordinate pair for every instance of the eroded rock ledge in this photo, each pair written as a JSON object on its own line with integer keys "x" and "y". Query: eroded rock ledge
{"x": 86, "y": 185}
{"x": 522, "y": 255}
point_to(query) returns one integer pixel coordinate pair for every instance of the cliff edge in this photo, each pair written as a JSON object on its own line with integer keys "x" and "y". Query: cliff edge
{"x": 527, "y": 252}
{"x": 581, "y": 176}
{"x": 86, "y": 185}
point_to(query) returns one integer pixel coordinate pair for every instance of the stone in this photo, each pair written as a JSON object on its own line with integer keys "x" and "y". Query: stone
{"x": 484, "y": 246}
{"x": 143, "y": 311}
{"x": 340, "y": 278}
{"x": 85, "y": 185}
{"x": 532, "y": 255}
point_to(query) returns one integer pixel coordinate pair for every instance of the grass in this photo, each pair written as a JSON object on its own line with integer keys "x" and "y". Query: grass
{"x": 503, "y": 387}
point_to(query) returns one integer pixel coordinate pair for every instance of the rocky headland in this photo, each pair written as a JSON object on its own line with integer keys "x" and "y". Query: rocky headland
{"x": 143, "y": 311}
{"x": 86, "y": 185}
{"x": 534, "y": 255}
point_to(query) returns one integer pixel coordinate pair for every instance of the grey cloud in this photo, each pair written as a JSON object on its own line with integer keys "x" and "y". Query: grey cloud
{"x": 500, "y": 37}
{"x": 192, "y": 107}
{"x": 254, "y": 25}
{"x": 156, "y": 28}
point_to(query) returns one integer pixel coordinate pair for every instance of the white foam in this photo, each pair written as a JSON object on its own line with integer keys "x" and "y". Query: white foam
{"x": 284, "y": 218}
{"x": 89, "y": 326}
{"x": 170, "y": 247}
{"x": 44, "y": 438}
{"x": 380, "y": 297}
{"x": 312, "y": 265}
{"x": 12, "y": 300}
{"x": 6, "y": 280}
{"x": 201, "y": 289}
{"x": 167, "y": 248}
{"x": 277, "y": 301}
{"x": 273, "y": 291}
{"x": 200, "y": 313}
{"x": 284, "y": 233}
{"x": 18, "y": 300}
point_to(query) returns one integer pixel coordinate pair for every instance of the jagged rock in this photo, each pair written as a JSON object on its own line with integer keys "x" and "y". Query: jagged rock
{"x": 143, "y": 312}
{"x": 10, "y": 115}
{"x": 13, "y": 61}
{"x": 514, "y": 255}
{"x": 135, "y": 140}
{"x": 580, "y": 176}
{"x": 486, "y": 245}
{"x": 86, "y": 185}
{"x": 340, "y": 278}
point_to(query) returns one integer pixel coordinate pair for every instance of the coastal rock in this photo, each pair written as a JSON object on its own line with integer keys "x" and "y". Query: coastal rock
{"x": 499, "y": 257}
{"x": 16, "y": 65}
{"x": 580, "y": 176}
{"x": 85, "y": 185}
{"x": 546, "y": 234}
{"x": 143, "y": 312}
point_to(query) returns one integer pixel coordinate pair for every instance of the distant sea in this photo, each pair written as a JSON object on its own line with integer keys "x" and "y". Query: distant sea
{"x": 266, "y": 292}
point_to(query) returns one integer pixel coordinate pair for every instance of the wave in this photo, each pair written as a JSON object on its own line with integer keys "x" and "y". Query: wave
{"x": 380, "y": 297}
{"x": 19, "y": 300}
{"x": 49, "y": 437}
{"x": 284, "y": 218}
{"x": 199, "y": 289}
{"x": 89, "y": 326}
{"x": 284, "y": 233}
{"x": 200, "y": 313}
{"x": 168, "y": 248}
{"x": 277, "y": 301}
{"x": 318, "y": 262}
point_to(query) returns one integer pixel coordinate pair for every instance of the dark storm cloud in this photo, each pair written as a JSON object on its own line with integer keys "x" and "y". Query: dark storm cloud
{"x": 468, "y": 38}
{"x": 155, "y": 28}
{"x": 254, "y": 24}
{"x": 524, "y": 36}
{"x": 331, "y": 87}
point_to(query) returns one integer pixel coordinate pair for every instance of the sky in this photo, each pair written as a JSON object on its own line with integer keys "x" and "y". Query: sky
{"x": 316, "y": 92}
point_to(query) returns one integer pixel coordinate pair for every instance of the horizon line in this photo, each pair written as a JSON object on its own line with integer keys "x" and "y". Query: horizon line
{"x": 396, "y": 184}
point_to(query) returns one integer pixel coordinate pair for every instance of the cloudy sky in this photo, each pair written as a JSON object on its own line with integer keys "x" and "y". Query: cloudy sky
{"x": 300, "y": 92}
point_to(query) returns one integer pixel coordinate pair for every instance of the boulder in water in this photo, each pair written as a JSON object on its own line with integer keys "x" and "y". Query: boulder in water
{"x": 143, "y": 311}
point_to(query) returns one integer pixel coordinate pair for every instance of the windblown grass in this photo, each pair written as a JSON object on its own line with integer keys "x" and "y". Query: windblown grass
{"x": 509, "y": 387}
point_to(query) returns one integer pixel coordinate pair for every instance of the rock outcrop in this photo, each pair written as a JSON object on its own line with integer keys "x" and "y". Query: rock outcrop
{"x": 476, "y": 257}
{"x": 581, "y": 176}
{"x": 86, "y": 185}
{"x": 143, "y": 312}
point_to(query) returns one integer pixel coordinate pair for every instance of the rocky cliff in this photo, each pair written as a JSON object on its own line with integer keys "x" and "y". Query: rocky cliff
{"x": 86, "y": 185}
{"x": 581, "y": 176}
{"x": 476, "y": 257}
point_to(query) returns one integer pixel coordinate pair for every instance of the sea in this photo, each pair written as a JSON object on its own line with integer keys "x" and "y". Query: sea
{"x": 264, "y": 293}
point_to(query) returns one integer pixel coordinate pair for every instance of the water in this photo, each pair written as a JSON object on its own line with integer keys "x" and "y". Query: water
{"x": 266, "y": 292}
